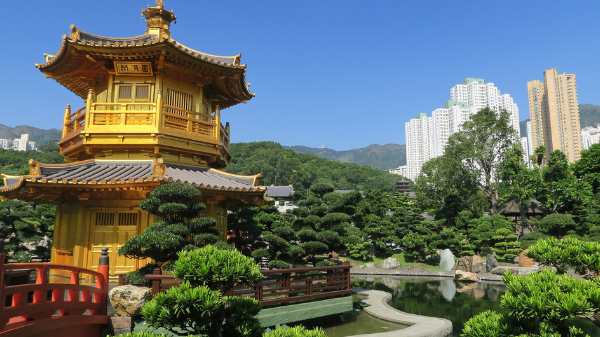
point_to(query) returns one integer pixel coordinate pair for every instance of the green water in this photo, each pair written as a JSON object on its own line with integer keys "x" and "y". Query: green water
{"x": 351, "y": 324}
{"x": 444, "y": 298}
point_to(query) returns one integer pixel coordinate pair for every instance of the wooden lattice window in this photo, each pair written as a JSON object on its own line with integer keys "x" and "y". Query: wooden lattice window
{"x": 141, "y": 92}
{"x": 105, "y": 219}
{"x": 127, "y": 219}
{"x": 181, "y": 101}
{"x": 125, "y": 92}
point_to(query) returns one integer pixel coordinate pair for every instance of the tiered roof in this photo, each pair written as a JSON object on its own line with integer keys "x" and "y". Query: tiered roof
{"x": 46, "y": 179}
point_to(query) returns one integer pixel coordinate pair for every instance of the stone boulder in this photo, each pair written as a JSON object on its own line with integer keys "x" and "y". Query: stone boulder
{"x": 478, "y": 268}
{"x": 128, "y": 300}
{"x": 467, "y": 263}
{"x": 390, "y": 263}
{"x": 525, "y": 261}
{"x": 465, "y": 276}
{"x": 446, "y": 260}
{"x": 370, "y": 265}
{"x": 490, "y": 262}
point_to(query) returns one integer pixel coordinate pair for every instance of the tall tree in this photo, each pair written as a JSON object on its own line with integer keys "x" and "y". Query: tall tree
{"x": 520, "y": 182}
{"x": 481, "y": 146}
{"x": 588, "y": 167}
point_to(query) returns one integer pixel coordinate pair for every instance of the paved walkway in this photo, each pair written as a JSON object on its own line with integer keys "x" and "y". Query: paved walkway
{"x": 420, "y": 326}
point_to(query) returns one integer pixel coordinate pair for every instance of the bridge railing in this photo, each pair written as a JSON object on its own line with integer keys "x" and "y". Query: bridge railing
{"x": 51, "y": 303}
{"x": 280, "y": 285}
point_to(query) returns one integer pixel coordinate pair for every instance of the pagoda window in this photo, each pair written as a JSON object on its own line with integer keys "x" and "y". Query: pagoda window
{"x": 125, "y": 92}
{"x": 142, "y": 93}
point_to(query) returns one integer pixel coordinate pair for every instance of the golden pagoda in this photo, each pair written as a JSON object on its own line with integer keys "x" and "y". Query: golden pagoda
{"x": 151, "y": 114}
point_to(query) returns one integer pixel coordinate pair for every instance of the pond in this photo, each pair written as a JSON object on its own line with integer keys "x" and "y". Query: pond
{"x": 444, "y": 298}
{"x": 351, "y": 324}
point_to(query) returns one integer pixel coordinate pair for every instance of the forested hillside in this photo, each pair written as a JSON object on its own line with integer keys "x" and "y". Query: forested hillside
{"x": 281, "y": 166}
{"x": 383, "y": 157}
{"x": 17, "y": 162}
{"x": 589, "y": 115}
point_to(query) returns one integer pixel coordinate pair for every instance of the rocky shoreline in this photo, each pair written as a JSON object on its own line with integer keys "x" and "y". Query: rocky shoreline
{"x": 420, "y": 273}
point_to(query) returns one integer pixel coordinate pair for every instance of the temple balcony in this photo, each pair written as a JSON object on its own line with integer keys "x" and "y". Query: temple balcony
{"x": 99, "y": 129}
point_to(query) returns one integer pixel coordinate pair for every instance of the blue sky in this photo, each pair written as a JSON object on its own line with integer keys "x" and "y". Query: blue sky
{"x": 344, "y": 74}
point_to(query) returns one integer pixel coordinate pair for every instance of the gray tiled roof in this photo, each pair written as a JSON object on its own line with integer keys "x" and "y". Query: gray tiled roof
{"x": 119, "y": 172}
{"x": 98, "y": 170}
{"x": 209, "y": 178}
{"x": 279, "y": 191}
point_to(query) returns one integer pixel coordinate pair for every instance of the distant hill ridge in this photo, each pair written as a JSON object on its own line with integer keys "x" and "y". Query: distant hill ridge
{"x": 40, "y": 136}
{"x": 383, "y": 157}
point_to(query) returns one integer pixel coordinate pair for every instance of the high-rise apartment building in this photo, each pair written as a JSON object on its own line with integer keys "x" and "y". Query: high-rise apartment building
{"x": 554, "y": 113}
{"x": 419, "y": 143}
{"x": 466, "y": 100}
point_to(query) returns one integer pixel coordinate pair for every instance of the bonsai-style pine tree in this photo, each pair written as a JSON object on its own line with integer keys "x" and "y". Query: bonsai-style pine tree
{"x": 181, "y": 228}
{"x": 198, "y": 306}
{"x": 27, "y": 222}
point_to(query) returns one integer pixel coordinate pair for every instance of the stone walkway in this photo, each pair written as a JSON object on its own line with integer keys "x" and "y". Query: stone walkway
{"x": 420, "y": 326}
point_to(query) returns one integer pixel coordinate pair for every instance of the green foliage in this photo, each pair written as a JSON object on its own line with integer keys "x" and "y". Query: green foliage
{"x": 297, "y": 331}
{"x": 202, "y": 308}
{"x": 587, "y": 168}
{"x": 193, "y": 309}
{"x": 276, "y": 264}
{"x": 360, "y": 251}
{"x": 214, "y": 268}
{"x": 142, "y": 334}
{"x": 567, "y": 253}
{"x": 558, "y": 224}
{"x": 181, "y": 228}
{"x": 486, "y": 324}
{"x": 17, "y": 162}
{"x": 281, "y": 166}
{"x": 26, "y": 222}
{"x": 470, "y": 162}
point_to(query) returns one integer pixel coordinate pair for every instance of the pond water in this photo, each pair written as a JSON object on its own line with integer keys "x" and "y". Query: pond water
{"x": 444, "y": 298}
{"x": 351, "y": 324}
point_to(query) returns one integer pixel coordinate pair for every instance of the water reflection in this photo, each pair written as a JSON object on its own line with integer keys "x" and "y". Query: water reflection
{"x": 442, "y": 297}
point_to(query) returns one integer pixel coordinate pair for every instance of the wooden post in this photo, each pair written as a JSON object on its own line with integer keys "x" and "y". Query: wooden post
{"x": 228, "y": 140}
{"x": 347, "y": 263}
{"x": 102, "y": 282}
{"x": 156, "y": 282}
{"x": 217, "y": 125}
{"x": 66, "y": 119}
{"x": 88, "y": 107}
{"x": 159, "y": 120}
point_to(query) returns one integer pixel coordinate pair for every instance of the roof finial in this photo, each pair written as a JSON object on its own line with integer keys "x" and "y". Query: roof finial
{"x": 160, "y": 4}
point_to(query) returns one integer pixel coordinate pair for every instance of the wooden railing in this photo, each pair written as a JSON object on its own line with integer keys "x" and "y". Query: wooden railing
{"x": 280, "y": 285}
{"x": 73, "y": 121}
{"x": 142, "y": 117}
{"x": 53, "y": 308}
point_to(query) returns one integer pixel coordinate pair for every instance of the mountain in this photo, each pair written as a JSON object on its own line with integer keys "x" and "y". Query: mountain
{"x": 589, "y": 115}
{"x": 281, "y": 166}
{"x": 383, "y": 157}
{"x": 40, "y": 136}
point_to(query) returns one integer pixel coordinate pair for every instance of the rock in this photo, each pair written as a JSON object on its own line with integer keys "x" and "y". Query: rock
{"x": 478, "y": 268}
{"x": 466, "y": 263}
{"x": 390, "y": 263}
{"x": 525, "y": 261}
{"x": 516, "y": 259}
{"x": 490, "y": 262}
{"x": 128, "y": 300}
{"x": 370, "y": 265}
{"x": 465, "y": 276}
{"x": 120, "y": 325}
{"x": 446, "y": 260}
{"x": 497, "y": 271}
{"x": 334, "y": 255}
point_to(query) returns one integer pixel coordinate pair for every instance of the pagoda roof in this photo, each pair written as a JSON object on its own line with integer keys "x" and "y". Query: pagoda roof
{"x": 102, "y": 174}
{"x": 226, "y": 71}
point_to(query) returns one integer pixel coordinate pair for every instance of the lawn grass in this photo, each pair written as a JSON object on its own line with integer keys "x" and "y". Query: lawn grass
{"x": 400, "y": 257}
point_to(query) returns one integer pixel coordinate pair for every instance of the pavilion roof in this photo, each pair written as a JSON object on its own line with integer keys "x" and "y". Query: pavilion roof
{"x": 511, "y": 208}
{"x": 127, "y": 174}
{"x": 85, "y": 53}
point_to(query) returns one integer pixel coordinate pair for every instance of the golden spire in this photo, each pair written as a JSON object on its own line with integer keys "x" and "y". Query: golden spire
{"x": 159, "y": 20}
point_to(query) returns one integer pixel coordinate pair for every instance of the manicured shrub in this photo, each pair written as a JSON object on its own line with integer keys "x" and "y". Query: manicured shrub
{"x": 297, "y": 331}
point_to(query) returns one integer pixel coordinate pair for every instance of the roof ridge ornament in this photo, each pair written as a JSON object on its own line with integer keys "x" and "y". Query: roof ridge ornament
{"x": 159, "y": 20}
